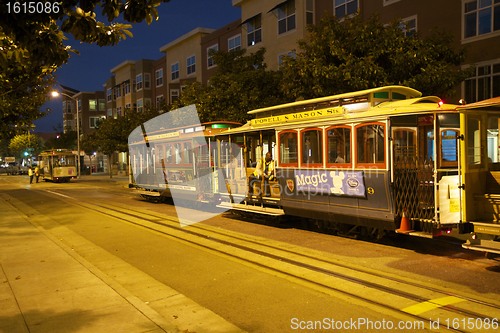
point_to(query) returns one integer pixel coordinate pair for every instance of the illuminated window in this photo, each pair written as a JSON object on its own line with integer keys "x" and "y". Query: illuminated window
{"x": 254, "y": 30}
{"x": 370, "y": 144}
{"x": 312, "y": 147}
{"x": 288, "y": 148}
{"x": 338, "y": 145}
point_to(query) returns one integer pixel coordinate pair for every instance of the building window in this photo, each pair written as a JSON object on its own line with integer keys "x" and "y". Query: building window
{"x": 174, "y": 95}
{"x": 95, "y": 121}
{"x": 102, "y": 104}
{"x": 117, "y": 92}
{"x": 343, "y": 8}
{"x": 92, "y": 105}
{"x": 481, "y": 17}
{"x": 254, "y": 30}
{"x": 126, "y": 87}
{"x": 119, "y": 111}
{"x": 409, "y": 26}
{"x": 309, "y": 12}
{"x": 160, "y": 100}
{"x": 210, "y": 55}
{"x": 191, "y": 65}
{"x": 174, "y": 69}
{"x": 140, "y": 105}
{"x": 286, "y": 17}
{"x": 485, "y": 84}
{"x": 147, "y": 80}
{"x": 109, "y": 94}
{"x": 68, "y": 106}
{"x": 159, "y": 77}
{"x": 138, "y": 82}
{"x": 290, "y": 54}
{"x": 234, "y": 43}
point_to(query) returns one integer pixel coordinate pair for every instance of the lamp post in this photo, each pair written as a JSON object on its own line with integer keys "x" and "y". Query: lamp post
{"x": 55, "y": 93}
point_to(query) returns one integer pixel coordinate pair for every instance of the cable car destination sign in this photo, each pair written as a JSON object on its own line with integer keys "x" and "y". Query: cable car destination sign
{"x": 299, "y": 116}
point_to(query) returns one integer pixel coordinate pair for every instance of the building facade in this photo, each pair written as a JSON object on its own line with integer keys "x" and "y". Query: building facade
{"x": 278, "y": 25}
{"x": 183, "y": 61}
{"x": 473, "y": 25}
{"x": 91, "y": 109}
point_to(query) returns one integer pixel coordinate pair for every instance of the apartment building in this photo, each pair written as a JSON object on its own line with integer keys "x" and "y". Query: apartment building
{"x": 91, "y": 109}
{"x": 130, "y": 87}
{"x": 183, "y": 61}
{"x": 227, "y": 38}
{"x": 277, "y": 25}
{"x": 474, "y": 25}
{"x": 159, "y": 86}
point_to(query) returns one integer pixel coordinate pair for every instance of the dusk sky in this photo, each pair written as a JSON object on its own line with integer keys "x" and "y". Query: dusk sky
{"x": 89, "y": 70}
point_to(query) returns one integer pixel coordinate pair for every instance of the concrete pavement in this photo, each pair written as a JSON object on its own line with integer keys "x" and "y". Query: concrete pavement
{"x": 45, "y": 286}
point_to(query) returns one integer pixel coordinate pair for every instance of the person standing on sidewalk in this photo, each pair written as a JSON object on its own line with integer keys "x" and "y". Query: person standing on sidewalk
{"x": 37, "y": 173}
{"x": 31, "y": 174}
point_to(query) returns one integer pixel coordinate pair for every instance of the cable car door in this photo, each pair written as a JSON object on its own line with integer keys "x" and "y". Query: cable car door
{"x": 474, "y": 167}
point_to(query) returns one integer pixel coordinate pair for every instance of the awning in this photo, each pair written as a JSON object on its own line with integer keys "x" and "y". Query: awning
{"x": 278, "y": 5}
{"x": 249, "y": 19}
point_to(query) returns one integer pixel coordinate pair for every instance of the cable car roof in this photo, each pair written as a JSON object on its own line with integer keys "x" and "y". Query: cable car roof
{"x": 406, "y": 91}
{"x": 487, "y": 103}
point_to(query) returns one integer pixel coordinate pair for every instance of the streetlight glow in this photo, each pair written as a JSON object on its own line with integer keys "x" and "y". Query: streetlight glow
{"x": 55, "y": 93}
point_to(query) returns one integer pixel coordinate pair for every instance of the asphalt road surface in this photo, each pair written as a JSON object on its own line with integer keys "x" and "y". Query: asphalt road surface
{"x": 260, "y": 275}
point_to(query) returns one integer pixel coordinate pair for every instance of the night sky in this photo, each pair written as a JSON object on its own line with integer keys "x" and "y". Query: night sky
{"x": 89, "y": 70}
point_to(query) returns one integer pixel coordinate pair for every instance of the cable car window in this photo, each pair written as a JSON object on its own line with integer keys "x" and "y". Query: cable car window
{"x": 405, "y": 142}
{"x": 473, "y": 142}
{"x": 177, "y": 153}
{"x": 225, "y": 151}
{"x": 159, "y": 149}
{"x": 370, "y": 143}
{"x": 449, "y": 149}
{"x": 188, "y": 154}
{"x": 288, "y": 148}
{"x": 492, "y": 140}
{"x": 339, "y": 145}
{"x": 312, "y": 147}
{"x": 168, "y": 153}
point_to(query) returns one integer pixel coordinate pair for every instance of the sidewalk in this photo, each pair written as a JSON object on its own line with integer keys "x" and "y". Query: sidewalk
{"x": 45, "y": 286}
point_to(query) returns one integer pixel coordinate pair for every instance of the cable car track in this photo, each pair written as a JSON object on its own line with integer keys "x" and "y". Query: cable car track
{"x": 310, "y": 269}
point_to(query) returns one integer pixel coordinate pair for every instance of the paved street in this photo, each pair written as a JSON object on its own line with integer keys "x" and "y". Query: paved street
{"x": 89, "y": 255}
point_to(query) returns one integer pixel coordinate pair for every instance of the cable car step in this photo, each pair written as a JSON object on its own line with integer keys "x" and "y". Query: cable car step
{"x": 488, "y": 246}
{"x": 252, "y": 209}
{"x": 416, "y": 233}
{"x": 148, "y": 193}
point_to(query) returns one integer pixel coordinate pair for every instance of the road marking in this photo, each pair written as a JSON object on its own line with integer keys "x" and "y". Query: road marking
{"x": 432, "y": 304}
{"x": 62, "y": 195}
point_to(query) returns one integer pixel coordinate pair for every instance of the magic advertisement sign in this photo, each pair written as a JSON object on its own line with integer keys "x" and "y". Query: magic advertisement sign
{"x": 336, "y": 182}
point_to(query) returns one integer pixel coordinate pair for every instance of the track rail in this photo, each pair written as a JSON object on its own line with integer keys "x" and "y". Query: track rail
{"x": 403, "y": 298}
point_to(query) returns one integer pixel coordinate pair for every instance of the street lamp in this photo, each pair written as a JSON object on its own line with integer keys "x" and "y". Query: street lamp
{"x": 55, "y": 93}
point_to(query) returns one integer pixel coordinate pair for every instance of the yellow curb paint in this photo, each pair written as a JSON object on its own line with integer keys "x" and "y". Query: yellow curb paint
{"x": 432, "y": 304}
